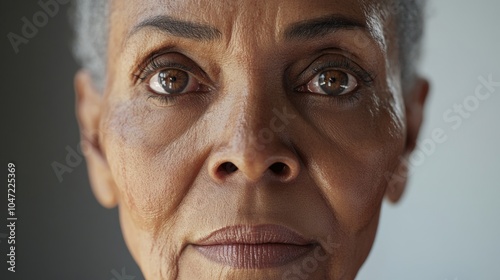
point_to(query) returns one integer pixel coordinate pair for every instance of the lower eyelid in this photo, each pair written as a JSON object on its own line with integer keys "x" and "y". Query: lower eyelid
{"x": 163, "y": 99}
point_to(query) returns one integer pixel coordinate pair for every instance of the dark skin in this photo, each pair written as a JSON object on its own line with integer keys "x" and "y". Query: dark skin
{"x": 254, "y": 112}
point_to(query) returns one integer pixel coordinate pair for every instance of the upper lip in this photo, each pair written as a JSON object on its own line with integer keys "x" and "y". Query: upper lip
{"x": 259, "y": 234}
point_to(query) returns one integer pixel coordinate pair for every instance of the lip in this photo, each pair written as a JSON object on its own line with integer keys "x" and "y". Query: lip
{"x": 252, "y": 247}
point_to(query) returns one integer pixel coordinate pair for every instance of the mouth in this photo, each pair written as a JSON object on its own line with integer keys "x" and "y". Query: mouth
{"x": 253, "y": 247}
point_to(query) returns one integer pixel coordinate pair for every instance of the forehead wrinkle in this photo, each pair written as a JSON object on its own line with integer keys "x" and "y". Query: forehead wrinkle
{"x": 251, "y": 31}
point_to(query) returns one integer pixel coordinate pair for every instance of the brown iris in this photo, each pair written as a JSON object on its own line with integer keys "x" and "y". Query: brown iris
{"x": 333, "y": 82}
{"x": 173, "y": 80}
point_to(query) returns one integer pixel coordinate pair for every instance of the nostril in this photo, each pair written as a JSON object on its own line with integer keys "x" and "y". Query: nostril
{"x": 227, "y": 167}
{"x": 278, "y": 168}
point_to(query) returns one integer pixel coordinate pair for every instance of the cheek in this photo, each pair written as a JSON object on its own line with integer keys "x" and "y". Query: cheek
{"x": 152, "y": 161}
{"x": 350, "y": 153}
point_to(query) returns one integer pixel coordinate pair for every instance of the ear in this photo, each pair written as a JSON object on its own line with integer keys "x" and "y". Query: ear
{"x": 88, "y": 112}
{"x": 414, "y": 103}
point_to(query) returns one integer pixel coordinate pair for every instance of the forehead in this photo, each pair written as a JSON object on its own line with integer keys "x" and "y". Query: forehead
{"x": 258, "y": 19}
{"x": 223, "y": 12}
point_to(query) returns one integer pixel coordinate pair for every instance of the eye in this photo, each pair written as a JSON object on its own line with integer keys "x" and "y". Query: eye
{"x": 173, "y": 81}
{"x": 332, "y": 83}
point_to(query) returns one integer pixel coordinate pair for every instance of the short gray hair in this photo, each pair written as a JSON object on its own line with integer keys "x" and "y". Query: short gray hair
{"x": 91, "y": 25}
{"x": 410, "y": 18}
{"x": 91, "y": 36}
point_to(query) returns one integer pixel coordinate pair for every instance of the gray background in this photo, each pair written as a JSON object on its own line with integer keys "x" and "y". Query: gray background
{"x": 446, "y": 228}
{"x": 62, "y": 232}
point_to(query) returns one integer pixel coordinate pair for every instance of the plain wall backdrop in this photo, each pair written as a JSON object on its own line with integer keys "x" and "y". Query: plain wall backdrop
{"x": 447, "y": 227}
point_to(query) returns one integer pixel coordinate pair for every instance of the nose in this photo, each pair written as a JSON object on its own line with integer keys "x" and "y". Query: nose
{"x": 254, "y": 143}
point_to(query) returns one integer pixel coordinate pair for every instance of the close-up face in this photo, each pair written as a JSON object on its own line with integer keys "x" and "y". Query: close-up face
{"x": 250, "y": 139}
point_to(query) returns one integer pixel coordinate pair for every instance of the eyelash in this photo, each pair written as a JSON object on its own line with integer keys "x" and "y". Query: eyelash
{"x": 154, "y": 65}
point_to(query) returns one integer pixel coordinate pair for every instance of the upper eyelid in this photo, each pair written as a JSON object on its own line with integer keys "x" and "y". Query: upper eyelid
{"x": 145, "y": 73}
{"x": 346, "y": 64}
{"x": 155, "y": 62}
{"x": 154, "y": 65}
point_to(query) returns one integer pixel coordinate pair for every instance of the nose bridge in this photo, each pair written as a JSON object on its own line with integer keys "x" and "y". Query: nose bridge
{"x": 252, "y": 101}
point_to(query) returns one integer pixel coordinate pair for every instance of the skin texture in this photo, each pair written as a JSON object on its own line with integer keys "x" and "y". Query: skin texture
{"x": 163, "y": 162}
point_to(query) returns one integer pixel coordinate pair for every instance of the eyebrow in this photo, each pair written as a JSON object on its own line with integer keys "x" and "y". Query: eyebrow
{"x": 180, "y": 28}
{"x": 321, "y": 26}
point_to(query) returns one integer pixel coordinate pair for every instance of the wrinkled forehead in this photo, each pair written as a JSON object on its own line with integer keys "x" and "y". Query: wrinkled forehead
{"x": 256, "y": 19}
{"x": 225, "y": 13}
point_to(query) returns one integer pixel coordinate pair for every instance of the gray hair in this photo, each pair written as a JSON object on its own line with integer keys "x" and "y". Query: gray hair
{"x": 410, "y": 18}
{"x": 91, "y": 37}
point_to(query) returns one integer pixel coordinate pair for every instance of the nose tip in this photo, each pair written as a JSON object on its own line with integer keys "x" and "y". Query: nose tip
{"x": 255, "y": 167}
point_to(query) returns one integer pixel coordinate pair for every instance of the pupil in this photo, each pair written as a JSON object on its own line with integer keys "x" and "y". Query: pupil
{"x": 173, "y": 80}
{"x": 333, "y": 82}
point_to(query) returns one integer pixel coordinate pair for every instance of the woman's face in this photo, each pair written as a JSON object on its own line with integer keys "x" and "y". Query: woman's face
{"x": 248, "y": 139}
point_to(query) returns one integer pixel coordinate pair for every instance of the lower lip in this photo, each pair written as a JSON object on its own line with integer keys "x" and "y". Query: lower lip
{"x": 253, "y": 256}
